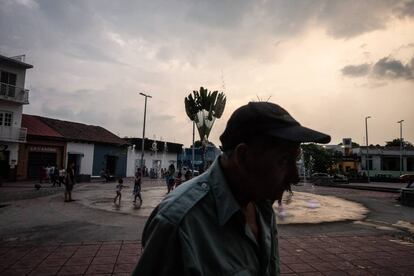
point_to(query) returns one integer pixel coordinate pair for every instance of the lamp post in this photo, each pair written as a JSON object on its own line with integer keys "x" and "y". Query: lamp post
{"x": 192, "y": 153}
{"x": 401, "y": 145}
{"x": 143, "y": 134}
{"x": 366, "y": 140}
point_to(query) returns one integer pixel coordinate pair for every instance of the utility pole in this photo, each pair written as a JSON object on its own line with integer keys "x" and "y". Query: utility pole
{"x": 401, "y": 146}
{"x": 192, "y": 157}
{"x": 143, "y": 134}
{"x": 366, "y": 140}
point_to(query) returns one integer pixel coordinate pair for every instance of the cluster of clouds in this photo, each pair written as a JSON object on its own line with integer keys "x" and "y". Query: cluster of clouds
{"x": 384, "y": 68}
{"x": 92, "y": 57}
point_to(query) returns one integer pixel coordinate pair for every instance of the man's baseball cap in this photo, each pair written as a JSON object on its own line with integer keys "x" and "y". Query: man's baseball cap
{"x": 266, "y": 118}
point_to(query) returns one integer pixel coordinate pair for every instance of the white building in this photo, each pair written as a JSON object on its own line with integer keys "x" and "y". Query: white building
{"x": 157, "y": 155}
{"x": 13, "y": 96}
{"x": 385, "y": 161}
{"x": 81, "y": 154}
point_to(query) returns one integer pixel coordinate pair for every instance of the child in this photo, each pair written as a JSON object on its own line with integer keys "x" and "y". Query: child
{"x": 118, "y": 190}
{"x": 170, "y": 183}
{"x": 137, "y": 187}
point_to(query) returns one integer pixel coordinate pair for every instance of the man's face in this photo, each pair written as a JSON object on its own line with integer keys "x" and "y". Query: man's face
{"x": 271, "y": 170}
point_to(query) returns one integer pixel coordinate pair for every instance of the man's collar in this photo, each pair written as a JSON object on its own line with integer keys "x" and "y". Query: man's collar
{"x": 226, "y": 204}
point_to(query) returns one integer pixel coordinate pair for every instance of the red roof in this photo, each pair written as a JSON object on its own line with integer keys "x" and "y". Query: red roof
{"x": 70, "y": 131}
{"x": 37, "y": 127}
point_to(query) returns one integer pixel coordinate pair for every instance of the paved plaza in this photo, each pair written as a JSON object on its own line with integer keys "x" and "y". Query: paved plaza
{"x": 323, "y": 231}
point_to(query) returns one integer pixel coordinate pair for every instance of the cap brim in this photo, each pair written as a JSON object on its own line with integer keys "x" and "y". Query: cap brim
{"x": 300, "y": 134}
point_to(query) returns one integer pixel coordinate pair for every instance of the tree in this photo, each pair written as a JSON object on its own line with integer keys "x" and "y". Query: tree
{"x": 396, "y": 143}
{"x": 319, "y": 159}
{"x": 203, "y": 108}
{"x": 199, "y": 144}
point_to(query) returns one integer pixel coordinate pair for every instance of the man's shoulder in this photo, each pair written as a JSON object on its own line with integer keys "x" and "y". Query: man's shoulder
{"x": 183, "y": 199}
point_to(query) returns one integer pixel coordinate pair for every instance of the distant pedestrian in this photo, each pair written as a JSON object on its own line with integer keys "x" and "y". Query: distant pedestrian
{"x": 178, "y": 179}
{"x": 50, "y": 170}
{"x": 70, "y": 182}
{"x": 119, "y": 188}
{"x": 187, "y": 175}
{"x": 137, "y": 187}
{"x": 55, "y": 175}
{"x": 170, "y": 183}
{"x": 42, "y": 174}
{"x": 170, "y": 178}
{"x": 62, "y": 176}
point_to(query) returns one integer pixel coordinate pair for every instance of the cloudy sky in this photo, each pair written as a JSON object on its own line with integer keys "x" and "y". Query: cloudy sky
{"x": 329, "y": 63}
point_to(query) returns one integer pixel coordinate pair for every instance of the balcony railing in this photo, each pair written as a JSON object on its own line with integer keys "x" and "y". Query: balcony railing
{"x": 13, "y": 134}
{"x": 13, "y": 93}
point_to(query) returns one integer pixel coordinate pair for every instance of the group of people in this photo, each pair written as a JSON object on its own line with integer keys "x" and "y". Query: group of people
{"x": 55, "y": 176}
{"x": 52, "y": 175}
{"x": 136, "y": 191}
{"x": 174, "y": 180}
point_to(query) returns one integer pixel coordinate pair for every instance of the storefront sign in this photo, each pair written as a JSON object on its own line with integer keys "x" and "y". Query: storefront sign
{"x": 42, "y": 149}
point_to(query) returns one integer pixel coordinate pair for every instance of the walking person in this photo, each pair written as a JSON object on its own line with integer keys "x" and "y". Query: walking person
{"x": 222, "y": 222}
{"x": 119, "y": 188}
{"x": 62, "y": 176}
{"x": 170, "y": 178}
{"x": 55, "y": 176}
{"x": 170, "y": 183}
{"x": 178, "y": 180}
{"x": 137, "y": 187}
{"x": 69, "y": 182}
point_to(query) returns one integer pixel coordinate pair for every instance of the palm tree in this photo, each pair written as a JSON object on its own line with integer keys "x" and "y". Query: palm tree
{"x": 203, "y": 108}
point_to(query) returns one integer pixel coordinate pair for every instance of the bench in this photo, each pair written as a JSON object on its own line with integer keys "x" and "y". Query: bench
{"x": 407, "y": 196}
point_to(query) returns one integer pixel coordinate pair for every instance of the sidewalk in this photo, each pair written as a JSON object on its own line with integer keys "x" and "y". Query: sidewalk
{"x": 373, "y": 186}
{"x": 314, "y": 255}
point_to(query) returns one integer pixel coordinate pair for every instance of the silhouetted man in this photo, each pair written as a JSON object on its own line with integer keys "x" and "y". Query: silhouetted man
{"x": 222, "y": 222}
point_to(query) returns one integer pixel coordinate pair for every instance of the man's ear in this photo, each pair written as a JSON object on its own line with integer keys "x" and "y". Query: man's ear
{"x": 241, "y": 152}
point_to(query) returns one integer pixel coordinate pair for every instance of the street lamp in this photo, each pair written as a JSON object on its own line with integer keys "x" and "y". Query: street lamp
{"x": 401, "y": 145}
{"x": 366, "y": 140}
{"x": 143, "y": 134}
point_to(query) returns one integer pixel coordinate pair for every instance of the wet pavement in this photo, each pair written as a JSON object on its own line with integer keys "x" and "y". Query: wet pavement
{"x": 46, "y": 236}
{"x": 300, "y": 208}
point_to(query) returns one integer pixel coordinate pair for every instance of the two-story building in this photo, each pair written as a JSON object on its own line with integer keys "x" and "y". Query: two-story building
{"x": 13, "y": 96}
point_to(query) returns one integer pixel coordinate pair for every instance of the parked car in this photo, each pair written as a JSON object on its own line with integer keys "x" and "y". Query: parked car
{"x": 321, "y": 179}
{"x": 195, "y": 173}
{"x": 340, "y": 178}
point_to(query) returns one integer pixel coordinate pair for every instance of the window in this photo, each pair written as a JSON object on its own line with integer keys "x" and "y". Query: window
{"x": 390, "y": 163}
{"x": 410, "y": 164}
{"x": 6, "y": 118}
{"x": 8, "y": 84}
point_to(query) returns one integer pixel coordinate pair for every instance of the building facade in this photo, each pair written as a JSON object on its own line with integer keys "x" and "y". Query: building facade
{"x": 378, "y": 161}
{"x": 157, "y": 155}
{"x": 52, "y": 142}
{"x": 13, "y": 96}
{"x": 186, "y": 156}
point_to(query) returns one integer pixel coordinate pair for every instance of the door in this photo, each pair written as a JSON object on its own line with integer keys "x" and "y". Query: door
{"x": 37, "y": 160}
{"x": 111, "y": 164}
{"x": 4, "y": 164}
{"x": 76, "y": 160}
